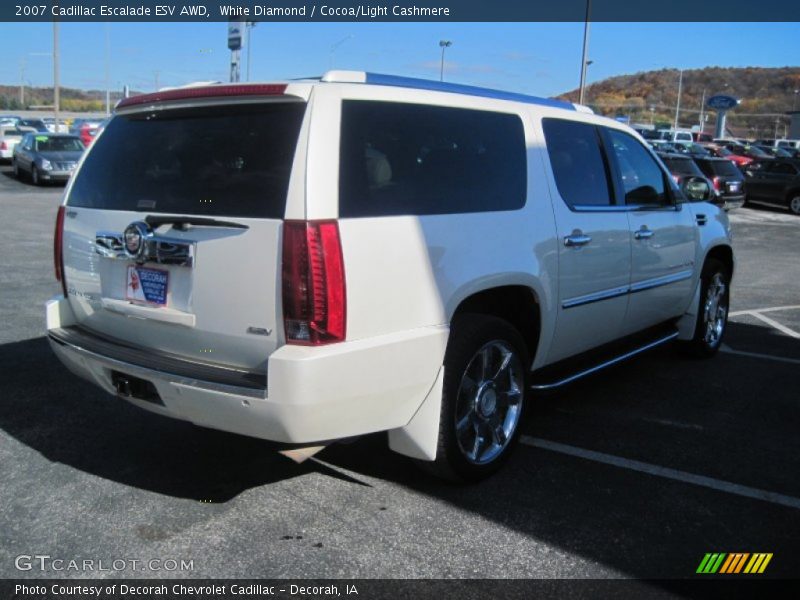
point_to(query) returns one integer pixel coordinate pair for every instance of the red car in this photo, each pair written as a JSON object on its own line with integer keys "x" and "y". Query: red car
{"x": 88, "y": 131}
{"x": 722, "y": 152}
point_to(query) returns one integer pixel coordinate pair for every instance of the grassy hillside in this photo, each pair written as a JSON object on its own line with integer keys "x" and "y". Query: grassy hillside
{"x": 70, "y": 99}
{"x": 766, "y": 94}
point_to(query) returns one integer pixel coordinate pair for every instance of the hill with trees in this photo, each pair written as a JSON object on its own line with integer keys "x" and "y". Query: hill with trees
{"x": 766, "y": 95}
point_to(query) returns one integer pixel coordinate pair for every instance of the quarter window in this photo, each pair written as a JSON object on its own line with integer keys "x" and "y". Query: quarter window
{"x": 642, "y": 179}
{"x": 577, "y": 160}
{"x": 414, "y": 159}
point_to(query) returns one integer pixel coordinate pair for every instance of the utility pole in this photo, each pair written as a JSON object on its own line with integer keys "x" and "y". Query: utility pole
{"x": 22, "y": 82}
{"x": 678, "y": 103}
{"x": 56, "y": 82}
{"x": 108, "y": 67}
{"x": 702, "y": 108}
{"x": 584, "y": 56}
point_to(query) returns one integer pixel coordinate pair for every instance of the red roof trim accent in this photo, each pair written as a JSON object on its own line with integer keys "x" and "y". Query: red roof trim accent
{"x": 234, "y": 89}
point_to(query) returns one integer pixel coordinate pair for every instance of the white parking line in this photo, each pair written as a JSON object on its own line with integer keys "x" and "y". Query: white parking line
{"x": 667, "y": 473}
{"x": 779, "y": 326}
{"x": 763, "y": 310}
{"x": 728, "y": 350}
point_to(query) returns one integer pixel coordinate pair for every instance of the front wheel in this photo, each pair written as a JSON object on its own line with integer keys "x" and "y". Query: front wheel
{"x": 794, "y": 204}
{"x": 712, "y": 314}
{"x": 35, "y": 176}
{"x": 486, "y": 378}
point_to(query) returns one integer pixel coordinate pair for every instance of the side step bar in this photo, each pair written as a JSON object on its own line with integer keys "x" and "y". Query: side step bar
{"x": 613, "y": 361}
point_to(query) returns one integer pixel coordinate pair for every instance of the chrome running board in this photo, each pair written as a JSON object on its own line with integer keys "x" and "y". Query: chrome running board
{"x": 603, "y": 365}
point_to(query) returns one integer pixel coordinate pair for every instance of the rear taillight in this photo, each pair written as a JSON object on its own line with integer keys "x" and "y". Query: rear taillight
{"x": 716, "y": 183}
{"x": 314, "y": 299}
{"x": 3, "y": 146}
{"x": 58, "y": 252}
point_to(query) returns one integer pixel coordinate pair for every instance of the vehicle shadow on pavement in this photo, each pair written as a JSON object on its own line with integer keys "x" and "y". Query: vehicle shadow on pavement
{"x": 738, "y": 425}
{"x": 70, "y": 421}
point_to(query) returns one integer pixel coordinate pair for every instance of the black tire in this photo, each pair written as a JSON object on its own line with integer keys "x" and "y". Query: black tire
{"x": 15, "y": 169}
{"x": 498, "y": 406}
{"x": 35, "y": 176}
{"x": 794, "y": 203}
{"x": 708, "y": 338}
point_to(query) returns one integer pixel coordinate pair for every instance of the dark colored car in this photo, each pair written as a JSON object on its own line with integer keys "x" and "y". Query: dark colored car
{"x": 726, "y": 178}
{"x": 47, "y": 157}
{"x": 780, "y": 152}
{"x": 689, "y": 178}
{"x": 691, "y": 149}
{"x": 36, "y": 124}
{"x": 776, "y": 181}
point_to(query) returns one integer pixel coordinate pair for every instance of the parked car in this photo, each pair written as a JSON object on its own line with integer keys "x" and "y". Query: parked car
{"x": 700, "y": 138}
{"x": 399, "y": 255}
{"x": 47, "y": 157}
{"x": 726, "y": 179}
{"x": 778, "y": 152}
{"x": 87, "y": 130}
{"x": 691, "y": 149}
{"x": 9, "y": 138}
{"x": 35, "y": 124}
{"x": 748, "y": 150}
{"x": 776, "y": 181}
{"x": 794, "y": 144}
{"x": 723, "y": 152}
{"x": 690, "y": 178}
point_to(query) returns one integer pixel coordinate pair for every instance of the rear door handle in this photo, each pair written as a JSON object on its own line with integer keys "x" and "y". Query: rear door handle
{"x": 643, "y": 234}
{"x": 576, "y": 239}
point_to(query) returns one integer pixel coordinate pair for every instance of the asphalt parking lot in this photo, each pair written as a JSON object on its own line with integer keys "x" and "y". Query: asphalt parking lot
{"x": 636, "y": 472}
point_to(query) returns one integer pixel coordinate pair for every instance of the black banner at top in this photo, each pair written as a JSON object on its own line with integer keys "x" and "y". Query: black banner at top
{"x": 400, "y": 10}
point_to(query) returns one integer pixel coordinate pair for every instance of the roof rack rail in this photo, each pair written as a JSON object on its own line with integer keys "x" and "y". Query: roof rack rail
{"x": 440, "y": 86}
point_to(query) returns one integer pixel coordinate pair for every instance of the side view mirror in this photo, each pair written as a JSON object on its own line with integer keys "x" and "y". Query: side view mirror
{"x": 696, "y": 189}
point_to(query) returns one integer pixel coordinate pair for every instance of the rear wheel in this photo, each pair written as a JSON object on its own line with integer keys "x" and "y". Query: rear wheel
{"x": 794, "y": 203}
{"x": 486, "y": 378}
{"x": 15, "y": 168}
{"x": 712, "y": 314}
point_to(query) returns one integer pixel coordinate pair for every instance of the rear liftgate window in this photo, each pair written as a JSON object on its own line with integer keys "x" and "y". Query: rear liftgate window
{"x": 413, "y": 159}
{"x": 231, "y": 161}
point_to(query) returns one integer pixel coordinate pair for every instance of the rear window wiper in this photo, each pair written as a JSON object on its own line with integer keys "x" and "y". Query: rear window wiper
{"x": 183, "y": 223}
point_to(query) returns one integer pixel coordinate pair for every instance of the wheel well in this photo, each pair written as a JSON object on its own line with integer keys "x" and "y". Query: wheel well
{"x": 516, "y": 304}
{"x": 724, "y": 254}
{"x": 791, "y": 193}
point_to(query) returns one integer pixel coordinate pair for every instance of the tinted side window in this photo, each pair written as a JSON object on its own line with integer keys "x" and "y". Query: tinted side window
{"x": 413, "y": 159}
{"x": 642, "y": 178}
{"x": 577, "y": 160}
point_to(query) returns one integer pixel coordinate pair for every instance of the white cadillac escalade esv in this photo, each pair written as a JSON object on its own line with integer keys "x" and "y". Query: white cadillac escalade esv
{"x": 321, "y": 259}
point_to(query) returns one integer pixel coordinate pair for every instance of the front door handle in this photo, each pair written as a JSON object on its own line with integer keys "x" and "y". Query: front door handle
{"x": 577, "y": 239}
{"x": 644, "y": 233}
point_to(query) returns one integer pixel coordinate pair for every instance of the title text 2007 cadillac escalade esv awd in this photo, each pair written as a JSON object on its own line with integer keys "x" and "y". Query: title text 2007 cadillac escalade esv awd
{"x": 321, "y": 259}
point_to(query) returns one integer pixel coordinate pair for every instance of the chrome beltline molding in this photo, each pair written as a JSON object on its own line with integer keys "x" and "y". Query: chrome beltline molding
{"x": 640, "y": 286}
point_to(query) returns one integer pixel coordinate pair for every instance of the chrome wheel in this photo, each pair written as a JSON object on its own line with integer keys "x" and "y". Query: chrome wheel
{"x": 715, "y": 310}
{"x": 794, "y": 205}
{"x": 489, "y": 402}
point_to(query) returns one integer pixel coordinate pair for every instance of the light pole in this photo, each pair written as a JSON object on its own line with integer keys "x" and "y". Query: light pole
{"x": 248, "y": 26}
{"x": 702, "y": 108}
{"x": 584, "y": 57}
{"x": 56, "y": 82}
{"x": 334, "y": 48}
{"x": 108, "y": 68}
{"x": 794, "y": 99}
{"x": 443, "y": 44}
{"x": 678, "y": 102}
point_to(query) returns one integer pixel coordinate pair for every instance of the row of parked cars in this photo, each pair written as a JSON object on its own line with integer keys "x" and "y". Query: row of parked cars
{"x": 737, "y": 171}
{"x": 39, "y": 152}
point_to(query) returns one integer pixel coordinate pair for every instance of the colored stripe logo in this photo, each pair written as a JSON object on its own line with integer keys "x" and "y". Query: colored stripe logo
{"x": 734, "y": 563}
